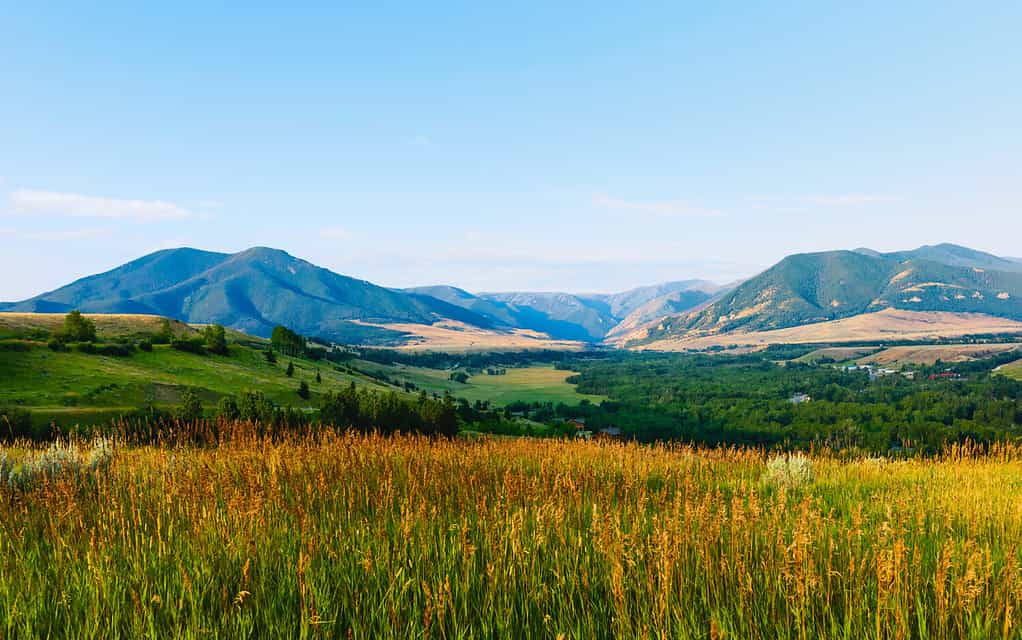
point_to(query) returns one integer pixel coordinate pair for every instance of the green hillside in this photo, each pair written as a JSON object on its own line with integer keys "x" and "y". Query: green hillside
{"x": 69, "y": 386}
{"x": 819, "y": 287}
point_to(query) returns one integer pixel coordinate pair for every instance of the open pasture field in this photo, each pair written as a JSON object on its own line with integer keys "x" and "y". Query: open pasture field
{"x": 882, "y": 326}
{"x": 537, "y": 383}
{"x": 355, "y": 536}
{"x": 839, "y": 354}
{"x": 929, "y": 354}
{"x": 1013, "y": 370}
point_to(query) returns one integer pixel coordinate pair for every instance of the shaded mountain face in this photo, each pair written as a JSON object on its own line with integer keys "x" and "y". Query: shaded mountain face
{"x": 819, "y": 287}
{"x": 957, "y": 256}
{"x": 251, "y": 291}
{"x": 585, "y": 317}
{"x": 116, "y": 291}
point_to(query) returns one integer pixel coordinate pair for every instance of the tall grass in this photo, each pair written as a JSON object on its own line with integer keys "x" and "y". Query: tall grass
{"x": 343, "y": 535}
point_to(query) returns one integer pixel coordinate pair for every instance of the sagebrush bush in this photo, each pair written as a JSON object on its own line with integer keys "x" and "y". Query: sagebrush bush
{"x": 60, "y": 459}
{"x": 791, "y": 470}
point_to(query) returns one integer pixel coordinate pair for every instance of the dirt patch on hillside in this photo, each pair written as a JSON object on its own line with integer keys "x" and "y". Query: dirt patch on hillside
{"x": 453, "y": 336}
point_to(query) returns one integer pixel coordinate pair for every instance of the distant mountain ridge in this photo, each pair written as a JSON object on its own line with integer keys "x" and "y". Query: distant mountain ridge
{"x": 588, "y": 317}
{"x": 257, "y": 289}
{"x": 820, "y": 287}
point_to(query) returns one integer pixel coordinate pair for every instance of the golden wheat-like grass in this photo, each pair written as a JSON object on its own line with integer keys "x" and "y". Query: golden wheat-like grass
{"x": 343, "y": 535}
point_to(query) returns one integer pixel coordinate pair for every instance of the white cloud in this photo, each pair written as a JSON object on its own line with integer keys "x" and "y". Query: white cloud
{"x": 663, "y": 209}
{"x": 335, "y": 233}
{"x": 55, "y": 203}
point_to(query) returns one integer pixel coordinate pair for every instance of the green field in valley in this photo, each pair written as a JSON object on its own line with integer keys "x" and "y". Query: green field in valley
{"x": 537, "y": 383}
{"x": 1013, "y": 370}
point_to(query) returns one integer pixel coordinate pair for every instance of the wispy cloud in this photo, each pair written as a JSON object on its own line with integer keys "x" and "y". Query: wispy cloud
{"x": 801, "y": 203}
{"x": 56, "y": 203}
{"x": 335, "y": 233}
{"x": 56, "y": 236}
{"x": 663, "y": 209}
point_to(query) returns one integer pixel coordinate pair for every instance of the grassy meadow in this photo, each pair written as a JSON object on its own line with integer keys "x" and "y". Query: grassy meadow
{"x": 361, "y": 536}
{"x": 536, "y": 383}
{"x": 1013, "y": 370}
{"x": 68, "y": 387}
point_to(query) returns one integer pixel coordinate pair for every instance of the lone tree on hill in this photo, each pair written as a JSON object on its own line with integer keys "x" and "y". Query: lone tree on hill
{"x": 78, "y": 328}
{"x": 290, "y": 369}
{"x": 303, "y": 390}
{"x": 319, "y": 378}
{"x": 216, "y": 339}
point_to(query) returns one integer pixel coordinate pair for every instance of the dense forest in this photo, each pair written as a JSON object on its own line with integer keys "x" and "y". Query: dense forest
{"x": 748, "y": 399}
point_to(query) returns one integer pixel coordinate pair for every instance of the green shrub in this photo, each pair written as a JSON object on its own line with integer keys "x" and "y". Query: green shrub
{"x": 227, "y": 408}
{"x": 59, "y": 459}
{"x": 189, "y": 345}
{"x": 190, "y": 408}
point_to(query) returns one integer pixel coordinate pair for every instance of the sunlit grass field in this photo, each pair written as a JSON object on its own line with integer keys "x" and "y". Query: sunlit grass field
{"x": 536, "y": 383}
{"x": 1013, "y": 370}
{"x": 354, "y": 536}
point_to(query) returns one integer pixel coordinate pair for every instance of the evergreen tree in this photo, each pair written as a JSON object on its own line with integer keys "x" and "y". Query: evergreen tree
{"x": 319, "y": 378}
{"x": 290, "y": 369}
{"x": 303, "y": 390}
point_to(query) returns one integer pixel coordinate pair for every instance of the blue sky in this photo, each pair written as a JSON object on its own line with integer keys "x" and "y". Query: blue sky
{"x": 580, "y": 147}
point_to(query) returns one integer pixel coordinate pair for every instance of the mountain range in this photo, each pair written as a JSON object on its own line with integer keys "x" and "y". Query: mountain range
{"x": 821, "y": 287}
{"x": 257, "y": 289}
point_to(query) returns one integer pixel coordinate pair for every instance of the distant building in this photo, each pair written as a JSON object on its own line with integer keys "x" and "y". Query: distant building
{"x": 609, "y": 433}
{"x": 800, "y": 398}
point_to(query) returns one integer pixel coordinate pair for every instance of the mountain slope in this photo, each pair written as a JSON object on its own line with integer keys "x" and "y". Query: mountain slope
{"x": 822, "y": 287}
{"x": 667, "y": 305}
{"x": 114, "y": 291}
{"x": 250, "y": 291}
